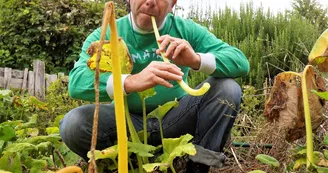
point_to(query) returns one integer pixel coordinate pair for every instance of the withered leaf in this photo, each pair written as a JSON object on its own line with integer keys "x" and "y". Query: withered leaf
{"x": 105, "y": 64}
{"x": 285, "y": 104}
{"x": 319, "y": 52}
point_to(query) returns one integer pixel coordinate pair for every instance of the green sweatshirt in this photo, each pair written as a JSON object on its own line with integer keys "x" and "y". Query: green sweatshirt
{"x": 218, "y": 59}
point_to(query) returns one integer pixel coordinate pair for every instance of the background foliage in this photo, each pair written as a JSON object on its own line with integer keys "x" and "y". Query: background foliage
{"x": 50, "y": 30}
{"x": 272, "y": 42}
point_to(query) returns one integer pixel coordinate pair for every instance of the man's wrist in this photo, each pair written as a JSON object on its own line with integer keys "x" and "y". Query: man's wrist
{"x": 197, "y": 62}
{"x": 128, "y": 84}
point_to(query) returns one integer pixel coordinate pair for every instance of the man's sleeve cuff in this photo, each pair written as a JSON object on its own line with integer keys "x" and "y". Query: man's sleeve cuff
{"x": 207, "y": 63}
{"x": 110, "y": 85}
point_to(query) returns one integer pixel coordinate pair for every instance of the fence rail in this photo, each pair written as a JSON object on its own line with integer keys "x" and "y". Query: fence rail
{"x": 34, "y": 82}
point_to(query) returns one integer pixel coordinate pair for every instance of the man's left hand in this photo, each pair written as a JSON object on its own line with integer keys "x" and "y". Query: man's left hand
{"x": 179, "y": 51}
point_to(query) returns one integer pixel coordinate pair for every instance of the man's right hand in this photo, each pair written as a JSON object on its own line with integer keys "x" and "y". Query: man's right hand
{"x": 156, "y": 73}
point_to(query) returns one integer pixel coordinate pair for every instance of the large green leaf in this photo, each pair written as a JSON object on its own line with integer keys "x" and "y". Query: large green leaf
{"x": 4, "y": 93}
{"x": 31, "y": 123}
{"x": 110, "y": 153}
{"x": 325, "y": 153}
{"x": 52, "y": 130}
{"x": 142, "y": 150}
{"x": 12, "y": 123}
{"x": 35, "y": 165}
{"x": 44, "y": 146}
{"x": 323, "y": 95}
{"x": 171, "y": 143}
{"x": 69, "y": 156}
{"x": 299, "y": 162}
{"x": 161, "y": 111}
{"x": 54, "y": 138}
{"x": 10, "y": 162}
{"x": 147, "y": 93}
{"x": 58, "y": 119}
{"x": 174, "y": 147}
{"x": 7, "y": 133}
{"x": 320, "y": 169}
{"x": 268, "y": 160}
{"x": 27, "y": 132}
{"x": 18, "y": 147}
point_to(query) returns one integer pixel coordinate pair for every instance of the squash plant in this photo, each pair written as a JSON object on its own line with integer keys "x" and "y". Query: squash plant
{"x": 23, "y": 149}
{"x": 292, "y": 103}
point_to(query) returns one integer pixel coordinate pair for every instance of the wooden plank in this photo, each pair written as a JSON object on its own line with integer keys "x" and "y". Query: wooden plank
{"x": 24, "y": 86}
{"x": 16, "y": 83}
{"x": 61, "y": 75}
{"x": 7, "y": 78}
{"x": 2, "y": 72}
{"x": 30, "y": 83}
{"x": 49, "y": 79}
{"x": 18, "y": 74}
{"x": 39, "y": 85}
{"x": 2, "y": 82}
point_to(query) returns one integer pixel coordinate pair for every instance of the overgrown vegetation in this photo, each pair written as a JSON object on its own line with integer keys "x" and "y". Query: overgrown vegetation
{"x": 29, "y": 130}
{"x": 50, "y": 30}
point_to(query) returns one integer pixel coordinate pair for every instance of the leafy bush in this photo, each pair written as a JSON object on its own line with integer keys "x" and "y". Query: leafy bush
{"x": 50, "y": 30}
{"x": 58, "y": 102}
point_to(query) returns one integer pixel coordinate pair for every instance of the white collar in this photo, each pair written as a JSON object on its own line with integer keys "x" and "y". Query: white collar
{"x": 137, "y": 29}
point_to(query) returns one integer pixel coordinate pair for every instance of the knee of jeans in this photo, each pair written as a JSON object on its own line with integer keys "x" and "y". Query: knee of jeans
{"x": 70, "y": 124}
{"x": 227, "y": 88}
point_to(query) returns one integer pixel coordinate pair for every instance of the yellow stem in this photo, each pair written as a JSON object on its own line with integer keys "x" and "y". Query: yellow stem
{"x": 308, "y": 124}
{"x": 184, "y": 86}
{"x": 293, "y": 73}
{"x": 118, "y": 96}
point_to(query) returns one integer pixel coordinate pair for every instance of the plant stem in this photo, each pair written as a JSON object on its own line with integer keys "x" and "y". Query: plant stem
{"x": 61, "y": 158}
{"x": 144, "y": 120}
{"x": 293, "y": 73}
{"x": 115, "y": 162}
{"x": 93, "y": 166}
{"x": 133, "y": 133}
{"x": 131, "y": 165}
{"x": 172, "y": 167}
{"x": 161, "y": 130}
{"x": 308, "y": 124}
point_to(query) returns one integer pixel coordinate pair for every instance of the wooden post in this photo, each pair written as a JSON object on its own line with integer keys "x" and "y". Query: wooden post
{"x": 31, "y": 83}
{"x": 7, "y": 78}
{"x": 24, "y": 81}
{"x": 49, "y": 79}
{"x": 39, "y": 75}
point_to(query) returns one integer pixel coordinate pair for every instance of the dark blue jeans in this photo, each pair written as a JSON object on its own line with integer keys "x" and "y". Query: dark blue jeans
{"x": 209, "y": 118}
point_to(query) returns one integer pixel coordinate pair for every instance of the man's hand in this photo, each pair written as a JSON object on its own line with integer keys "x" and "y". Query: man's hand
{"x": 156, "y": 73}
{"x": 179, "y": 51}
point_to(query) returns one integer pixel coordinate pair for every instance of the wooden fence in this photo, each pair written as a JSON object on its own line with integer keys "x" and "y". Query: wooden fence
{"x": 35, "y": 82}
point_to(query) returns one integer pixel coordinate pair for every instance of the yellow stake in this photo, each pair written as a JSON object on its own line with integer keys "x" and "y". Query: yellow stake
{"x": 118, "y": 96}
{"x": 184, "y": 86}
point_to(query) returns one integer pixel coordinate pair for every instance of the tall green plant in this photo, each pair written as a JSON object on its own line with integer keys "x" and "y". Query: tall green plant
{"x": 272, "y": 43}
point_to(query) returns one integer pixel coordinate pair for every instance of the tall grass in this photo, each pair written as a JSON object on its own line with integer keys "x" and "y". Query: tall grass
{"x": 272, "y": 42}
